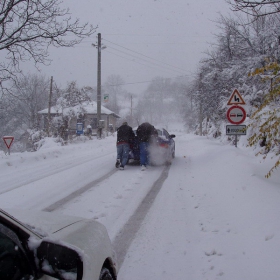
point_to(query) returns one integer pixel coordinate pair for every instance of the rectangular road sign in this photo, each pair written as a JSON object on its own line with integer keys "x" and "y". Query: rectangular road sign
{"x": 236, "y": 130}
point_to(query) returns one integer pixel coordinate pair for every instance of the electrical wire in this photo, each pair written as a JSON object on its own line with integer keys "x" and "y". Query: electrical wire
{"x": 156, "y": 64}
{"x": 145, "y": 55}
{"x": 169, "y": 68}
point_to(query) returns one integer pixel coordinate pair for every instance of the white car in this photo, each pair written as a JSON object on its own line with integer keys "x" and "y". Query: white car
{"x": 50, "y": 246}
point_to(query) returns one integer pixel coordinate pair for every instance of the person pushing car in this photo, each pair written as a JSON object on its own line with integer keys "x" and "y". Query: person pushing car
{"x": 125, "y": 136}
{"x": 145, "y": 133}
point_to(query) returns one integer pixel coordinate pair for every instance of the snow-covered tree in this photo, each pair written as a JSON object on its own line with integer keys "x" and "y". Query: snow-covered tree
{"x": 242, "y": 59}
{"x": 72, "y": 95}
{"x": 69, "y": 97}
{"x": 241, "y": 46}
{"x": 265, "y": 121}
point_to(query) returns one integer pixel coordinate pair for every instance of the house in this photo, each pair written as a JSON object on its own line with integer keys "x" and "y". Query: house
{"x": 84, "y": 113}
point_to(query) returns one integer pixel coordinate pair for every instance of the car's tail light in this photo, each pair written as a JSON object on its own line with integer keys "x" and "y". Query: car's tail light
{"x": 163, "y": 145}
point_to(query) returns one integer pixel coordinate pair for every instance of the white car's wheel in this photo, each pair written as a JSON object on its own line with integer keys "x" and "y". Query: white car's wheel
{"x": 105, "y": 274}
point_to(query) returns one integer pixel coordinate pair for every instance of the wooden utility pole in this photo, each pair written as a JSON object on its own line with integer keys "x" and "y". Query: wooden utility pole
{"x": 131, "y": 110}
{"x": 99, "y": 48}
{"x": 99, "y": 80}
{"x": 49, "y": 108}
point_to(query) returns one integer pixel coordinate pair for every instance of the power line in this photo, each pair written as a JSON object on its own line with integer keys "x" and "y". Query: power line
{"x": 143, "y": 82}
{"x": 156, "y": 35}
{"x": 146, "y": 56}
{"x": 144, "y": 60}
{"x": 158, "y": 65}
{"x": 128, "y": 58}
{"x": 136, "y": 61}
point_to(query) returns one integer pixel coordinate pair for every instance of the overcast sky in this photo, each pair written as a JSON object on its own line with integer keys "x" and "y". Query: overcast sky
{"x": 144, "y": 39}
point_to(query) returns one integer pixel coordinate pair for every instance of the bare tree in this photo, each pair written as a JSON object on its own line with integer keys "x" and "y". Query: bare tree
{"x": 19, "y": 110}
{"x": 30, "y": 95}
{"x": 256, "y": 7}
{"x": 29, "y": 27}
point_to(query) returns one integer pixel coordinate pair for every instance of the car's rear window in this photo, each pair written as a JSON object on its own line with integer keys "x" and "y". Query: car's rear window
{"x": 159, "y": 132}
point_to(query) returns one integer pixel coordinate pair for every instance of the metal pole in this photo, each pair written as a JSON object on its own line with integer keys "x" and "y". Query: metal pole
{"x": 99, "y": 83}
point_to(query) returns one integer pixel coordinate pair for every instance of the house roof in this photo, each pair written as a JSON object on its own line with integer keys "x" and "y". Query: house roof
{"x": 87, "y": 107}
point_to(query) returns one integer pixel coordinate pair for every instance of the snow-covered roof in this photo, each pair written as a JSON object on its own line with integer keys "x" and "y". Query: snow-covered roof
{"x": 87, "y": 107}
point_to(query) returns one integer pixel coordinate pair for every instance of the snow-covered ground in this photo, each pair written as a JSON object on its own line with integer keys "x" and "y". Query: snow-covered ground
{"x": 215, "y": 217}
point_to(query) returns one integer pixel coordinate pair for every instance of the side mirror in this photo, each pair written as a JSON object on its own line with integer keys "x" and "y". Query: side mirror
{"x": 59, "y": 261}
{"x": 172, "y": 136}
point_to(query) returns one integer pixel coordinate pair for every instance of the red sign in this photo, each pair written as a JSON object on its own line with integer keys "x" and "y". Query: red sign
{"x": 236, "y": 115}
{"x": 8, "y": 140}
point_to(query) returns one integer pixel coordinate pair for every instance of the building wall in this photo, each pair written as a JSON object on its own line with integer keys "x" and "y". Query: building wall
{"x": 88, "y": 120}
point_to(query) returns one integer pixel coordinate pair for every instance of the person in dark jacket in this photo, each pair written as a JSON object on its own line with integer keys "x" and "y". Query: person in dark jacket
{"x": 145, "y": 133}
{"x": 125, "y": 136}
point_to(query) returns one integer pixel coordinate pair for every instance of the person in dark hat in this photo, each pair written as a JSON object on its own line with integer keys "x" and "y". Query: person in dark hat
{"x": 125, "y": 136}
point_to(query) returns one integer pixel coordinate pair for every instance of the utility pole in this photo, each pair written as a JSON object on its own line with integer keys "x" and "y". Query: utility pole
{"x": 99, "y": 80}
{"x": 131, "y": 111}
{"x": 49, "y": 108}
{"x": 99, "y": 48}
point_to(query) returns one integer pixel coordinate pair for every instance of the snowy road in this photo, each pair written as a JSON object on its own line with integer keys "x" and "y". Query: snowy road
{"x": 54, "y": 186}
{"x": 210, "y": 215}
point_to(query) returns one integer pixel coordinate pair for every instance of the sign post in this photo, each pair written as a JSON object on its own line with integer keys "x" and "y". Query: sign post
{"x": 8, "y": 140}
{"x": 236, "y": 115}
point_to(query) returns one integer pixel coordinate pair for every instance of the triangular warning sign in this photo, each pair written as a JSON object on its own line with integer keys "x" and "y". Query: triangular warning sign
{"x": 236, "y": 98}
{"x": 8, "y": 141}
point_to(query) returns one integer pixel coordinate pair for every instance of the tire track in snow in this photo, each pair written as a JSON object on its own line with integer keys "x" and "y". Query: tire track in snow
{"x": 78, "y": 192}
{"x": 126, "y": 235}
{"x": 57, "y": 170}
